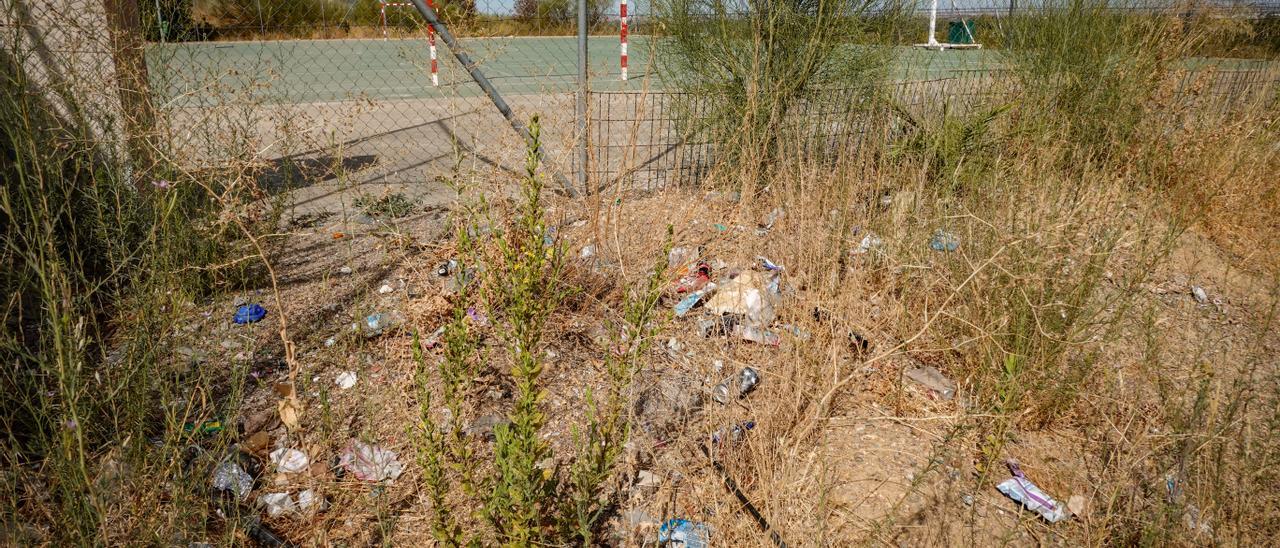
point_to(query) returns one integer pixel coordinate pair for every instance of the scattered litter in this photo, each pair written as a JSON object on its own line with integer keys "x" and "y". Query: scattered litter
{"x": 230, "y": 477}
{"x": 693, "y": 281}
{"x": 204, "y": 428}
{"x": 330, "y": 342}
{"x": 433, "y": 340}
{"x": 249, "y": 313}
{"x": 636, "y": 519}
{"x": 345, "y": 380}
{"x": 386, "y": 288}
{"x": 686, "y": 304}
{"x": 647, "y": 480}
{"x": 338, "y": 235}
{"x": 772, "y": 218}
{"x": 685, "y": 533}
{"x": 1020, "y": 489}
{"x": 736, "y": 386}
{"x": 1199, "y": 293}
{"x": 756, "y": 335}
{"x": 944, "y": 241}
{"x": 752, "y": 294}
{"x": 290, "y": 461}
{"x": 707, "y": 326}
{"x": 346, "y": 270}
{"x": 932, "y": 379}
{"x": 736, "y": 432}
{"x": 1196, "y": 523}
{"x": 720, "y": 228}
{"x": 446, "y": 268}
{"x": 309, "y": 501}
{"x": 674, "y": 347}
{"x": 370, "y": 462}
{"x": 278, "y": 504}
{"x": 769, "y": 265}
{"x": 379, "y": 322}
{"x": 588, "y": 251}
{"x": 578, "y": 223}
{"x": 680, "y": 256}
{"x": 1172, "y": 487}
{"x": 720, "y": 326}
{"x": 869, "y": 241}
{"x": 796, "y": 331}
{"x": 857, "y": 342}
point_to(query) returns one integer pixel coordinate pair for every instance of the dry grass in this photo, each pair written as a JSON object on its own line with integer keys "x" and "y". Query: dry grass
{"x": 1064, "y": 317}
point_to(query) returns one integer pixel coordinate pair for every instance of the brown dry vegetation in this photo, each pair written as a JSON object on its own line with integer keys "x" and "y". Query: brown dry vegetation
{"x": 1144, "y": 385}
{"x": 1065, "y": 318}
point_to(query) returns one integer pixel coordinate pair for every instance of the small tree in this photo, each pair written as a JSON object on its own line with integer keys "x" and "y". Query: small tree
{"x": 276, "y": 14}
{"x": 750, "y": 62}
{"x": 526, "y": 10}
{"x": 559, "y": 11}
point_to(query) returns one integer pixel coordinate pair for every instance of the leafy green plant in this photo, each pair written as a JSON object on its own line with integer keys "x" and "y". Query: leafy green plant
{"x": 95, "y": 260}
{"x": 601, "y": 442}
{"x": 527, "y": 283}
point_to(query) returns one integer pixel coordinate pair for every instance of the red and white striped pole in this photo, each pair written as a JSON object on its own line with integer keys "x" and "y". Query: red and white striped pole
{"x": 382, "y": 11}
{"x": 622, "y": 15}
{"x": 431, "y": 38}
{"x": 431, "y": 35}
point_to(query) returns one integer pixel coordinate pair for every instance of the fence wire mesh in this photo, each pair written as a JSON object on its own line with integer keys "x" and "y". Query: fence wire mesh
{"x": 364, "y": 92}
{"x": 337, "y": 95}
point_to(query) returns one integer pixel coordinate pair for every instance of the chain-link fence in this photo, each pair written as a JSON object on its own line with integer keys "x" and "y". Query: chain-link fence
{"x": 365, "y": 93}
{"x": 642, "y": 138}
{"x": 332, "y": 96}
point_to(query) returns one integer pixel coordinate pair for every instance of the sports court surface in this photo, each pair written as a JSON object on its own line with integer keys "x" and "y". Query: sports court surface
{"x": 301, "y": 71}
{"x": 308, "y": 71}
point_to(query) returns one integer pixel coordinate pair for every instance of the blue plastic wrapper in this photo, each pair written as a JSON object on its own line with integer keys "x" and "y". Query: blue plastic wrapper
{"x": 944, "y": 241}
{"x": 1022, "y": 490}
{"x": 686, "y": 304}
{"x": 249, "y": 313}
{"x": 769, "y": 265}
{"x": 685, "y": 533}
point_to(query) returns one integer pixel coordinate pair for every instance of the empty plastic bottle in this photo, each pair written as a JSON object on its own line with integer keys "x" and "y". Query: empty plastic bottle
{"x": 737, "y": 386}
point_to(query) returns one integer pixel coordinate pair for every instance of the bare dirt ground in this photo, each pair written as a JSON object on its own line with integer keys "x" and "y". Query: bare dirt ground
{"x": 895, "y": 464}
